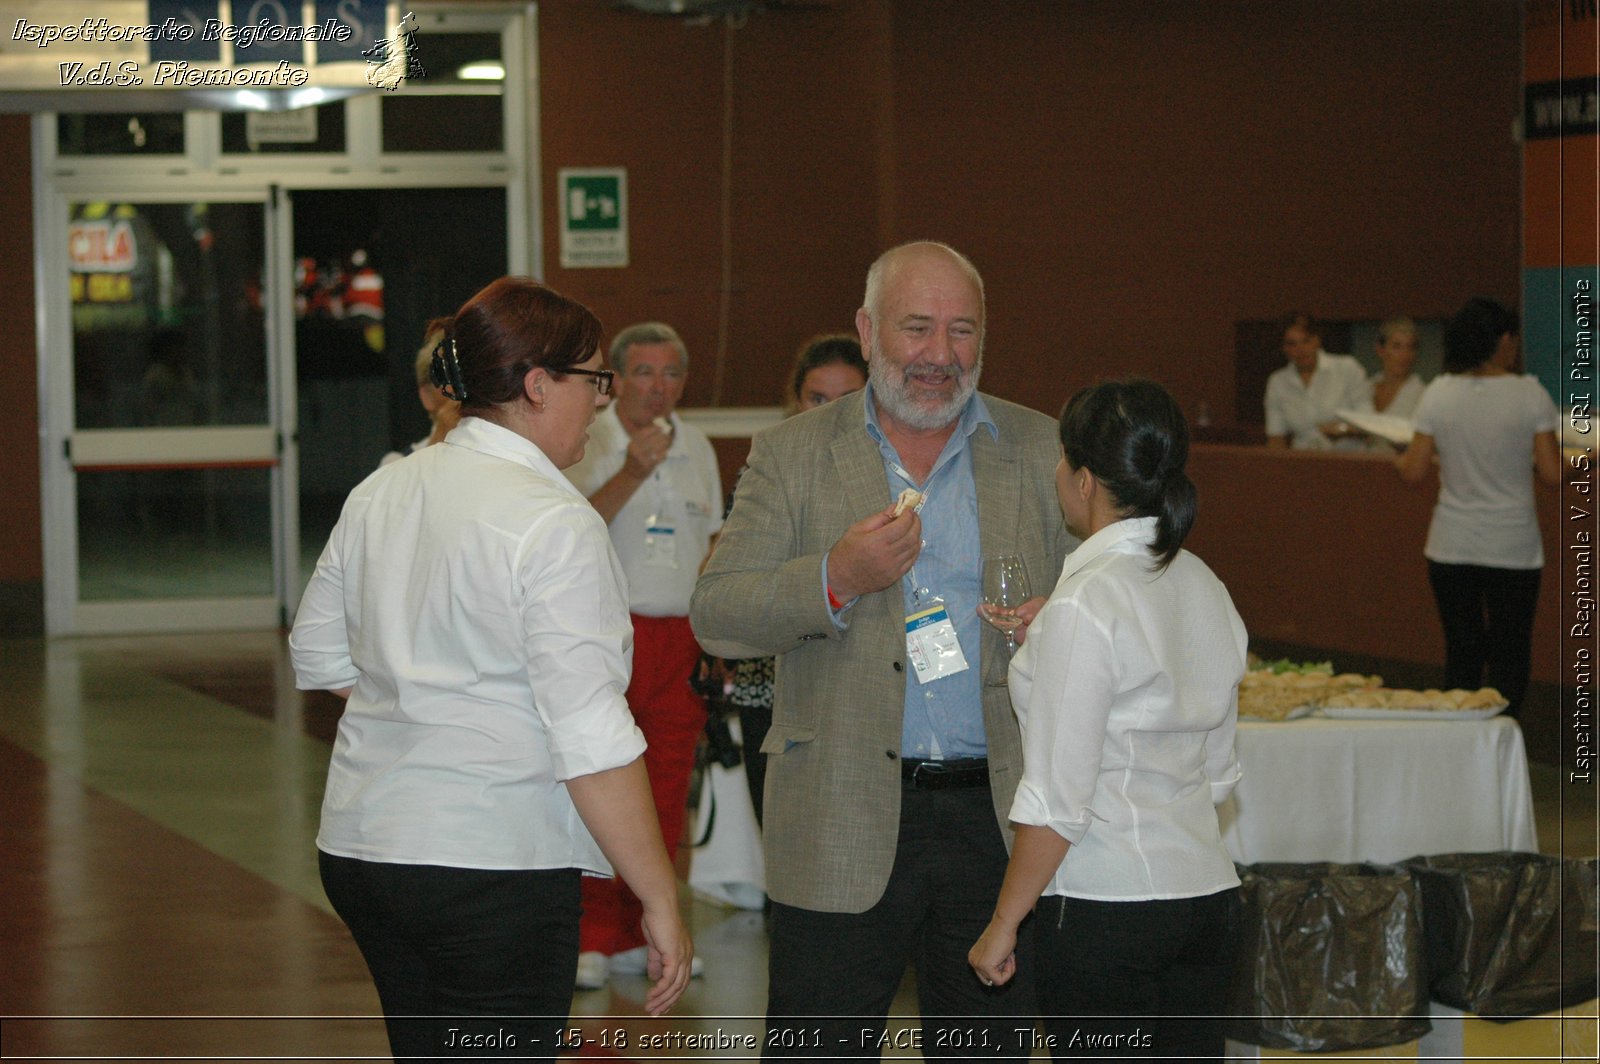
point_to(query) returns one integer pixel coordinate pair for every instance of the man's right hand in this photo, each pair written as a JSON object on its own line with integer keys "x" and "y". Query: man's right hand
{"x": 873, "y": 553}
{"x": 646, "y": 449}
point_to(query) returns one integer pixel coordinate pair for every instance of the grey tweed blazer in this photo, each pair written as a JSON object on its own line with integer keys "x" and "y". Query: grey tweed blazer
{"x": 832, "y": 802}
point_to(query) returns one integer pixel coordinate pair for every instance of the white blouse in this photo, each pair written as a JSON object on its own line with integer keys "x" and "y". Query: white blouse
{"x": 471, "y": 597}
{"x": 1405, "y": 400}
{"x": 1127, "y": 693}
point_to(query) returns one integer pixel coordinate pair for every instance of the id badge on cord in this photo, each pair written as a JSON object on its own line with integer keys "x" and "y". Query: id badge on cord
{"x": 932, "y": 644}
{"x": 660, "y": 543}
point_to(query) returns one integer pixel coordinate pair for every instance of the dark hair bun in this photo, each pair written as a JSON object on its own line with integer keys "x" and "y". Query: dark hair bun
{"x": 1131, "y": 435}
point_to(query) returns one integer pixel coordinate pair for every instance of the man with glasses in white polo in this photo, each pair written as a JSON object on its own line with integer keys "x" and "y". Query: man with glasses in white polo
{"x": 655, "y": 481}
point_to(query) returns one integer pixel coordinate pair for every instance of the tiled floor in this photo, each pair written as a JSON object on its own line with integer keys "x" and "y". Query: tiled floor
{"x": 160, "y": 797}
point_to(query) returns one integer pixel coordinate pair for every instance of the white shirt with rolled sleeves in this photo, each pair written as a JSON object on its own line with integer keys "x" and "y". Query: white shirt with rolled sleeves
{"x": 1127, "y": 693}
{"x": 684, "y": 493}
{"x": 1295, "y": 409}
{"x": 472, "y": 599}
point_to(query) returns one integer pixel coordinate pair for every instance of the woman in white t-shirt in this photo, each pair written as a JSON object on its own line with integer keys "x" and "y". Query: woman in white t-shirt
{"x": 1126, "y": 688}
{"x": 470, "y": 609}
{"x": 1492, "y": 430}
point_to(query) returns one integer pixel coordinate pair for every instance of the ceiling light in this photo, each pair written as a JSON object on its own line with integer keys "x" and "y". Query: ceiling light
{"x": 483, "y": 70}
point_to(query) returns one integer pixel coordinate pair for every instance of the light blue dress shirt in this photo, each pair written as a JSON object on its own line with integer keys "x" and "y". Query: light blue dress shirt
{"x": 944, "y": 717}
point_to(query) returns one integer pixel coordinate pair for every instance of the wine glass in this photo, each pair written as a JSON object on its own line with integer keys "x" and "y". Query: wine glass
{"x": 1005, "y": 587}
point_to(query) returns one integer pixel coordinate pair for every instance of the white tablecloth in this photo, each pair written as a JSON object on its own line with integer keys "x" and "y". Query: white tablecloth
{"x": 1383, "y": 791}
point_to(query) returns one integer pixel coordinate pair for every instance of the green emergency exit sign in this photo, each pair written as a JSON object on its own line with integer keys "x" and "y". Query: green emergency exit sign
{"x": 594, "y": 216}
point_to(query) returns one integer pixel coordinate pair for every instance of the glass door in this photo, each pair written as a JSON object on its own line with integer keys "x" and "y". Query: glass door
{"x": 236, "y": 367}
{"x": 230, "y": 311}
{"x": 174, "y": 449}
{"x": 372, "y": 266}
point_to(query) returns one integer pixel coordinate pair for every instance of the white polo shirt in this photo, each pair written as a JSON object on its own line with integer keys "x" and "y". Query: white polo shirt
{"x": 664, "y": 531}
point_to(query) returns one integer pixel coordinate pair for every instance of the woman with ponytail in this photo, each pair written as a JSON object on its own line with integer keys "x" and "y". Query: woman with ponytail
{"x": 1126, "y": 688}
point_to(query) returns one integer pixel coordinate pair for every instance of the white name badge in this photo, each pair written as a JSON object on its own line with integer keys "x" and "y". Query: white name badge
{"x": 932, "y": 644}
{"x": 661, "y": 546}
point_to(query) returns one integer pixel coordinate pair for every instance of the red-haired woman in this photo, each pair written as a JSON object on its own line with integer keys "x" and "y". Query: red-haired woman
{"x": 469, "y": 607}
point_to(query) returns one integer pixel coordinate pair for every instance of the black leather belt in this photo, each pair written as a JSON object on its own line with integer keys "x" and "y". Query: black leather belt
{"x": 921, "y": 775}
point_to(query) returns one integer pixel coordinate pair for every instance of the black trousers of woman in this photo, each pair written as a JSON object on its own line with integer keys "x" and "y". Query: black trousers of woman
{"x": 467, "y": 962}
{"x": 1136, "y": 978}
{"x": 1487, "y": 614}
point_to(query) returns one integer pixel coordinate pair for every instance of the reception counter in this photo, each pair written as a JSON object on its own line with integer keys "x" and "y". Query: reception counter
{"x": 1325, "y": 550}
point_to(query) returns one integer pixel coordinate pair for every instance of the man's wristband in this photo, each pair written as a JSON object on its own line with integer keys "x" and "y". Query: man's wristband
{"x": 833, "y": 601}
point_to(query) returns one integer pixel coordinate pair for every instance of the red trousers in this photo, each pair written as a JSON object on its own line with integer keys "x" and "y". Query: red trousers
{"x": 672, "y": 718}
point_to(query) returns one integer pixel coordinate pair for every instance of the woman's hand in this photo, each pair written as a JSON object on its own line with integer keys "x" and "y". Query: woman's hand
{"x": 1027, "y": 611}
{"x": 1036, "y": 853}
{"x": 616, "y": 806}
{"x": 1414, "y": 462}
{"x": 994, "y": 955}
{"x": 669, "y": 957}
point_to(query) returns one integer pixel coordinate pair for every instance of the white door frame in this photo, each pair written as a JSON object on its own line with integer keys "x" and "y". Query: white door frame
{"x": 205, "y": 174}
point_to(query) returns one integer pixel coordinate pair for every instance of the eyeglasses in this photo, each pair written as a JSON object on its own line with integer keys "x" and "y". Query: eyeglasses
{"x": 604, "y": 379}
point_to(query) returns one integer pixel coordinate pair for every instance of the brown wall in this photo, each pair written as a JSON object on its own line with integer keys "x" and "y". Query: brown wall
{"x": 623, "y": 89}
{"x": 1325, "y": 550}
{"x": 1131, "y": 178}
{"x": 21, "y": 545}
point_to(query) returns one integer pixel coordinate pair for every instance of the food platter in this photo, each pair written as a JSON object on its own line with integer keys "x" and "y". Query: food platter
{"x": 1287, "y": 690}
{"x": 1294, "y": 714}
{"x": 1382, "y": 703}
{"x": 1380, "y": 713}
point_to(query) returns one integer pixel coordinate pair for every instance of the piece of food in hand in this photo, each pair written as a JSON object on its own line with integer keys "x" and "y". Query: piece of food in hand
{"x": 910, "y": 499}
{"x": 663, "y": 424}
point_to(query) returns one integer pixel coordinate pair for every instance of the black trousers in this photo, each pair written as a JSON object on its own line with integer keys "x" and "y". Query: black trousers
{"x": 1487, "y": 614}
{"x": 832, "y": 976}
{"x": 466, "y": 961}
{"x": 1127, "y": 978}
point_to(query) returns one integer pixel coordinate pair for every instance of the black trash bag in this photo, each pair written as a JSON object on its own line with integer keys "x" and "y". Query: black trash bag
{"x": 1331, "y": 958}
{"x": 1510, "y": 935}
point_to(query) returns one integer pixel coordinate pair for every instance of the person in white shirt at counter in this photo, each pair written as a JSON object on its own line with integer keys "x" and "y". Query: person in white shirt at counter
{"x": 1303, "y": 397}
{"x": 470, "y": 609}
{"x": 654, "y": 480}
{"x": 1126, "y": 688}
{"x": 1395, "y": 389}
